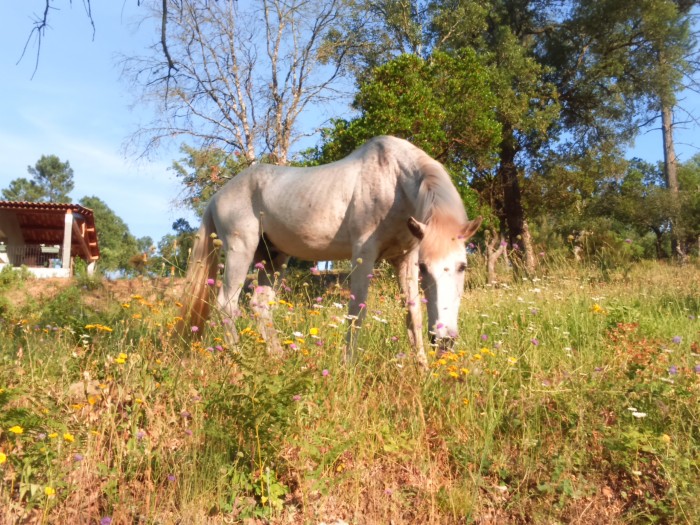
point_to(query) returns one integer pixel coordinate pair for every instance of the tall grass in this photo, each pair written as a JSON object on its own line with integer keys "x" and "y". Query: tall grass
{"x": 570, "y": 398}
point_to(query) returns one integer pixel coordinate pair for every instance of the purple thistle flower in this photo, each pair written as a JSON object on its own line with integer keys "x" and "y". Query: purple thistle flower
{"x": 259, "y": 266}
{"x": 107, "y": 520}
{"x": 195, "y": 329}
{"x": 171, "y": 477}
{"x": 211, "y": 282}
{"x": 325, "y": 372}
{"x": 370, "y": 276}
{"x": 677, "y": 339}
{"x": 697, "y": 369}
{"x": 534, "y": 341}
{"x": 484, "y": 337}
{"x": 673, "y": 370}
{"x": 296, "y": 397}
{"x": 628, "y": 241}
{"x": 78, "y": 457}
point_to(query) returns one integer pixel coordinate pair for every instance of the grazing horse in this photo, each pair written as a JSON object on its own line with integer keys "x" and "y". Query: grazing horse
{"x": 386, "y": 200}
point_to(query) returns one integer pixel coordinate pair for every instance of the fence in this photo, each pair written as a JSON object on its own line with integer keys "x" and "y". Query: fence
{"x": 31, "y": 255}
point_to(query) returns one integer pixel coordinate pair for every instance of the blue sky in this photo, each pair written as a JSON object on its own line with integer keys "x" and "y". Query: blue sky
{"x": 76, "y": 107}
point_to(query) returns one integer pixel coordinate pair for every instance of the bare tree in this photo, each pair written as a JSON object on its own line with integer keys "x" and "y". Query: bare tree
{"x": 238, "y": 77}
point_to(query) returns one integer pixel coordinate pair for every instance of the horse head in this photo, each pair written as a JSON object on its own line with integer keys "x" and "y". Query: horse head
{"x": 443, "y": 265}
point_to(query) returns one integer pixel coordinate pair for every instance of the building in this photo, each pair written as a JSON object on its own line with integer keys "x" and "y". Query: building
{"x": 46, "y": 237}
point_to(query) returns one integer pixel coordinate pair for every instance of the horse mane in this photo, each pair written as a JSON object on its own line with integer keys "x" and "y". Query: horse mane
{"x": 439, "y": 207}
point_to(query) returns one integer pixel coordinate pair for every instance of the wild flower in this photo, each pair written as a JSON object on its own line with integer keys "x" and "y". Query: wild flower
{"x": 17, "y": 430}
{"x": 296, "y": 397}
{"x": 260, "y": 265}
{"x": 107, "y": 520}
{"x": 677, "y": 339}
{"x": 78, "y": 457}
{"x": 195, "y": 329}
{"x": 3, "y": 458}
{"x": 697, "y": 369}
{"x": 534, "y": 341}
{"x": 313, "y": 331}
{"x": 211, "y": 282}
{"x": 484, "y": 337}
{"x": 171, "y": 477}
{"x": 68, "y": 437}
{"x": 673, "y": 370}
{"x": 639, "y": 415}
{"x": 325, "y": 372}
{"x": 49, "y": 491}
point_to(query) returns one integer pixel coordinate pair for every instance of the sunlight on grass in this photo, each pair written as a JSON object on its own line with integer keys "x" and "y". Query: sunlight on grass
{"x": 567, "y": 396}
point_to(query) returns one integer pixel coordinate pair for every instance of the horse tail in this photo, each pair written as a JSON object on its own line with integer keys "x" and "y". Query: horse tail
{"x": 201, "y": 273}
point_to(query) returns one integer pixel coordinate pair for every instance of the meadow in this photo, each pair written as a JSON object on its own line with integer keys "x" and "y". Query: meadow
{"x": 571, "y": 397}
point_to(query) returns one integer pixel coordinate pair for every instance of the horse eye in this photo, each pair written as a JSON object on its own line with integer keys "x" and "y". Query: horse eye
{"x": 462, "y": 267}
{"x": 423, "y": 268}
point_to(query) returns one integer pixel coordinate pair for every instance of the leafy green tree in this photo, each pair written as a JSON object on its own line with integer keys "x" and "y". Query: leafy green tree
{"x": 174, "y": 249}
{"x": 117, "y": 244}
{"x": 23, "y": 190}
{"x": 203, "y": 172}
{"x": 52, "y": 181}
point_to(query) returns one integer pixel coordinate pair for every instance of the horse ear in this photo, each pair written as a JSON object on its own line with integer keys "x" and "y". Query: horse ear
{"x": 417, "y": 228}
{"x": 471, "y": 228}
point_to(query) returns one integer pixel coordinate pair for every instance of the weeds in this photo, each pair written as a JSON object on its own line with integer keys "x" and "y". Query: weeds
{"x": 569, "y": 397}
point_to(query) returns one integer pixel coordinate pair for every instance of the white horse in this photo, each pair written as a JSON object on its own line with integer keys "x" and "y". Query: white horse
{"x": 387, "y": 200}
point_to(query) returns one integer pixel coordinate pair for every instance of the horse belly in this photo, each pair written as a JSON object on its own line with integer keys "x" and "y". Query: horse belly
{"x": 313, "y": 240}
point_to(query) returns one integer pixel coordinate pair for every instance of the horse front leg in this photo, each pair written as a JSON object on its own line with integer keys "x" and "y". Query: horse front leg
{"x": 407, "y": 270}
{"x": 357, "y": 308}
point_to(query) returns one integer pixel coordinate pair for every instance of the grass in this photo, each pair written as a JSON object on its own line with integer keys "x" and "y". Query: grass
{"x": 571, "y": 398}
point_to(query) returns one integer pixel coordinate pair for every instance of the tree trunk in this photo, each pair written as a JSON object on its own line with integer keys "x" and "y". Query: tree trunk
{"x": 671, "y": 174}
{"x": 512, "y": 204}
{"x": 494, "y": 249}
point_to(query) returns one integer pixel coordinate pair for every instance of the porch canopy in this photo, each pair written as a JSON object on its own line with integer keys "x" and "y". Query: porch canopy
{"x": 47, "y": 235}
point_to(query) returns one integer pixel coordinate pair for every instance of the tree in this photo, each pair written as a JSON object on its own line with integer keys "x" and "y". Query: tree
{"x": 117, "y": 244}
{"x": 23, "y": 190}
{"x": 203, "y": 172}
{"x": 238, "y": 77}
{"x": 52, "y": 181}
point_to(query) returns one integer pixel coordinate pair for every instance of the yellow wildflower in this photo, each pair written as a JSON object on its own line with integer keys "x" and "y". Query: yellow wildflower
{"x": 126, "y": 305}
{"x": 465, "y": 402}
{"x": 512, "y": 360}
{"x": 68, "y": 437}
{"x": 49, "y": 491}
{"x": 53, "y": 435}
{"x": 16, "y": 429}
{"x": 3, "y": 458}
{"x": 313, "y": 331}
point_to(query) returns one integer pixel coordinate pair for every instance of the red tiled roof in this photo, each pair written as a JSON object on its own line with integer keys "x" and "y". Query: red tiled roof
{"x": 44, "y": 223}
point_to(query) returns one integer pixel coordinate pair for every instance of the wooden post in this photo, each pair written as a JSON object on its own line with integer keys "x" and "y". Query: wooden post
{"x": 67, "y": 239}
